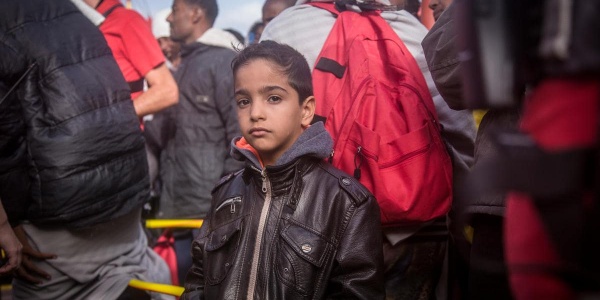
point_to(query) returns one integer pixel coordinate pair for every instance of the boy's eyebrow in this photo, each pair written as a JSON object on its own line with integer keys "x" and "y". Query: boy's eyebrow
{"x": 263, "y": 90}
{"x": 270, "y": 88}
{"x": 241, "y": 92}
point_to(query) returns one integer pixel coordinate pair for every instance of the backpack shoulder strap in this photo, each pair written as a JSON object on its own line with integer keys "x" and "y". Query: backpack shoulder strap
{"x": 110, "y": 10}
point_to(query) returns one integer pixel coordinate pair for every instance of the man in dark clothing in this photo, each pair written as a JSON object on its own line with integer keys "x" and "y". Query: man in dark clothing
{"x": 195, "y": 154}
{"x": 197, "y": 130}
{"x": 485, "y": 214}
{"x": 73, "y": 171}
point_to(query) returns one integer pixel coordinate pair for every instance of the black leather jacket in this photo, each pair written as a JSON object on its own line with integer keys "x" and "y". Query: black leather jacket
{"x": 318, "y": 238}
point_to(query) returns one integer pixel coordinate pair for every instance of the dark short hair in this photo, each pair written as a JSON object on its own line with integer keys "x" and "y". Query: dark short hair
{"x": 292, "y": 63}
{"x": 210, "y": 7}
{"x": 237, "y": 35}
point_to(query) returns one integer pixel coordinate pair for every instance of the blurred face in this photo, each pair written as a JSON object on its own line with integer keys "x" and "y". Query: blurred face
{"x": 269, "y": 112}
{"x": 271, "y": 9}
{"x": 181, "y": 21}
{"x": 257, "y": 34}
{"x": 169, "y": 48}
{"x": 438, "y": 7}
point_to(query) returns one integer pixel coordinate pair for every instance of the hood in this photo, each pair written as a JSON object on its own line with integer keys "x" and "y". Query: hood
{"x": 89, "y": 12}
{"x": 315, "y": 141}
{"x": 220, "y": 38}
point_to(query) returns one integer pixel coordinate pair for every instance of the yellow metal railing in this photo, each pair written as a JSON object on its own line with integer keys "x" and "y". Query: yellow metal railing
{"x": 168, "y": 289}
{"x": 182, "y": 223}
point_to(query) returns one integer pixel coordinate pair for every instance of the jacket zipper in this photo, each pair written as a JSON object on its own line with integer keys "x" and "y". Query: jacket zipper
{"x": 232, "y": 202}
{"x": 266, "y": 188}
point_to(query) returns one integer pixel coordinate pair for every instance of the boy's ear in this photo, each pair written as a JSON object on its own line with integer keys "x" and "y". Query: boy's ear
{"x": 308, "y": 111}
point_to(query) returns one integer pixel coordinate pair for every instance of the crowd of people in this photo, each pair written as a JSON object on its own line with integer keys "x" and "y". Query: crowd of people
{"x": 106, "y": 119}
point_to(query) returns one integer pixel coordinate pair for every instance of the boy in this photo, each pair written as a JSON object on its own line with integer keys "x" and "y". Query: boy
{"x": 288, "y": 226}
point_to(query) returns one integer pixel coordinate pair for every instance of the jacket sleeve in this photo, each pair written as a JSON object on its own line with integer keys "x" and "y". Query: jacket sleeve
{"x": 226, "y": 106}
{"x": 442, "y": 59}
{"x": 194, "y": 280}
{"x": 14, "y": 178}
{"x": 359, "y": 270}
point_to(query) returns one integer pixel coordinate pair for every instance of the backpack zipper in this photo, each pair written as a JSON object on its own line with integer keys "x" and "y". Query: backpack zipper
{"x": 352, "y": 109}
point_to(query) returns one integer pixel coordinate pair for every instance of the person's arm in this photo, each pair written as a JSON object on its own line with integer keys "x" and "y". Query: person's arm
{"x": 439, "y": 46}
{"x": 145, "y": 56}
{"x": 162, "y": 92}
{"x": 9, "y": 243}
{"x": 359, "y": 272}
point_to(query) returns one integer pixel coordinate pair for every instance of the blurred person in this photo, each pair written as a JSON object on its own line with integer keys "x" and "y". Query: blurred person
{"x": 197, "y": 130}
{"x": 161, "y": 31}
{"x": 289, "y": 216}
{"x": 138, "y": 55}
{"x": 297, "y": 27}
{"x": 153, "y": 124}
{"x": 485, "y": 266}
{"x": 411, "y": 6}
{"x": 237, "y": 35}
{"x": 73, "y": 172}
{"x": 550, "y": 166}
{"x": 272, "y": 8}
{"x": 255, "y": 32}
{"x": 438, "y": 7}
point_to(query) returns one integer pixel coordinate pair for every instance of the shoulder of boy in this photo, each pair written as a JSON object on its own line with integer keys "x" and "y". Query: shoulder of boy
{"x": 226, "y": 179}
{"x": 357, "y": 191}
{"x": 359, "y": 194}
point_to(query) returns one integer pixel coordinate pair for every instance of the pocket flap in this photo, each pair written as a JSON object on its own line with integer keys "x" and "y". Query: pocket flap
{"x": 307, "y": 244}
{"x": 222, "y": 235}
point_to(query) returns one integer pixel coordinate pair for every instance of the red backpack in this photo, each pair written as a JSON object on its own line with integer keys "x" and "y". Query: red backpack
{"x": 382, "y": 118}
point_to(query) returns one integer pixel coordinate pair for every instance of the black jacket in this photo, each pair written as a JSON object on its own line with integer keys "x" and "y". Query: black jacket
{"x": 71, "y": 149}
{"x": 197, "y": 132}
{"x": 321, "y": 236}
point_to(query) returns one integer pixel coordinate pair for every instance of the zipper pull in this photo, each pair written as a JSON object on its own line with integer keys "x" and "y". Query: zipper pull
{"x": 330, "y": 159}
{"x": 232, "y": 208}
{"x": 263, "y": 173}
{"x": 359, "y": 163}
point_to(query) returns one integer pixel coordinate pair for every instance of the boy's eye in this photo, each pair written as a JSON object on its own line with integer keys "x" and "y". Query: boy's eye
{"x": 243, "y": 102}
{"x": 274, "y": 99}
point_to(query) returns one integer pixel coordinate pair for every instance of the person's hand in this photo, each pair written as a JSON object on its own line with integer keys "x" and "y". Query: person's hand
{"x": 11, "y": 246}
{"x": 28, "y": 271}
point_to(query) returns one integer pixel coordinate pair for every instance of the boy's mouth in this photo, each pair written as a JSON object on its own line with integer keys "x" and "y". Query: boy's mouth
{"x": 258, "y": 131}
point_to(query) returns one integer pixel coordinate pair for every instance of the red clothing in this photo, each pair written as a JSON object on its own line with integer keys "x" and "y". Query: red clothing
{"x": 560, "y": 115}
{"x": 130, "y": 38}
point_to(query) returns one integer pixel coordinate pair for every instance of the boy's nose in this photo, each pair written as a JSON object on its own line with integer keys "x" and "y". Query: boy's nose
{"x": 256, "y": 111}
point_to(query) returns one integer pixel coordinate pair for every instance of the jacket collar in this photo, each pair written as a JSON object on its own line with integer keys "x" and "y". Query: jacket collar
{"x": 213, "y": 37}
{"x": 315, "y": 142}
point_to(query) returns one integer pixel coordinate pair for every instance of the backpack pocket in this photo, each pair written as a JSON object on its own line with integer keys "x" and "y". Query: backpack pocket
{"x": 409, "y": 176}
{"x": 220, "y": 251}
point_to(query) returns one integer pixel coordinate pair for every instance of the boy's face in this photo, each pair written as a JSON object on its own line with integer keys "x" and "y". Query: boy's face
{"x": 269, "y": 112}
